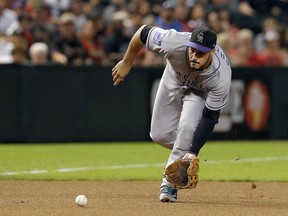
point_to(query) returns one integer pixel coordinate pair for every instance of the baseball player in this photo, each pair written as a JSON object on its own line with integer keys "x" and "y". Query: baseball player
{"x": 193, "y": 89}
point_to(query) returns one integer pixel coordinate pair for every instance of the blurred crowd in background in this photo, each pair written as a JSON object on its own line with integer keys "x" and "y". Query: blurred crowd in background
{"x": 87, "y": 32}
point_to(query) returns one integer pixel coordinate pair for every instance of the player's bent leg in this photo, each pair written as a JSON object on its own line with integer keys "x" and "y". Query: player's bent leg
{"x": 166, "y": 141}
{"x": 168, "y": 146}
{"x": 183, "y": 141}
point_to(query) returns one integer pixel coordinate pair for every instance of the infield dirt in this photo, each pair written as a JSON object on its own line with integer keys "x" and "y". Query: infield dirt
{"x": 137, "y": 198}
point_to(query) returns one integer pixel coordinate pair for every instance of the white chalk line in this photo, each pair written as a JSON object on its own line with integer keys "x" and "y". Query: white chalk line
{"x": 210, "y": 162}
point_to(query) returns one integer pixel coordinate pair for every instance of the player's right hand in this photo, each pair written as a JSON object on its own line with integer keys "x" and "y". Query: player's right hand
{"x": 119, "y": 72}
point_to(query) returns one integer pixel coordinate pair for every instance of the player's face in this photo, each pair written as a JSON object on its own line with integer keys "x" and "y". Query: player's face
{"x": 199, "y": 60}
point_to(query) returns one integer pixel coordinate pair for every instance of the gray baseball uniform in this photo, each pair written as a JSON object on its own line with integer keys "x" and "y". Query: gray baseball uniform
{"x": 183, "y": 93}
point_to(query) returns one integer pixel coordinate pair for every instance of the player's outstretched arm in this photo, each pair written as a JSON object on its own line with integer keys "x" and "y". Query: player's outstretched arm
{"x": 122, "y": 68}
{"x": 203, "y": 131}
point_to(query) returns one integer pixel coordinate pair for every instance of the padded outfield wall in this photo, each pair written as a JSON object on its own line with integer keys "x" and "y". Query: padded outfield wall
{"x": 80, "y": 104}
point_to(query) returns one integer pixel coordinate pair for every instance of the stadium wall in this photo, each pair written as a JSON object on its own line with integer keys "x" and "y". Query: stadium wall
{"x": 56, "y": 103}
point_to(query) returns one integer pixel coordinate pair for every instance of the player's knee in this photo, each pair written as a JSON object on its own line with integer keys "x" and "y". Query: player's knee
{"x": 161, "y": 138}
{"x": 156, "y": 137}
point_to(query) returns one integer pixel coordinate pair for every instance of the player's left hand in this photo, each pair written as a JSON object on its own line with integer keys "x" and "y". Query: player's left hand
{"x": 119, "y": 72}
{"x": 183, "y": 173}
{"x": 189, "y": 156}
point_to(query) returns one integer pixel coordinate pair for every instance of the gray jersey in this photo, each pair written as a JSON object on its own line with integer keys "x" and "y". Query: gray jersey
{"x": 214, "y": 80}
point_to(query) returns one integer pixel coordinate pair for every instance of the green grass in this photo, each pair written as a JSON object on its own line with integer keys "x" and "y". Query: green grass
{"x": 221, "y": 161}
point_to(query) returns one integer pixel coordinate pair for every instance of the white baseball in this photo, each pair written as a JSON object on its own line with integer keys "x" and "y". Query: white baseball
{"x": 81, "y": 200}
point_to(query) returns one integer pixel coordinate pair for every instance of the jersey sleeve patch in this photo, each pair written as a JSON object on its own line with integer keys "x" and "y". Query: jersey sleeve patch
{"x": 157, "y": 39}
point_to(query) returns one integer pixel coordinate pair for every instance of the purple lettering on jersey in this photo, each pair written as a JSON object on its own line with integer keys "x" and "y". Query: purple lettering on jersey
{"x": 157, "y": 39}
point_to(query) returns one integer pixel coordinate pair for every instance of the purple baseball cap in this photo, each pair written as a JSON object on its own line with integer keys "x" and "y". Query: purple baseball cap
{"x": 202, "y": 39}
